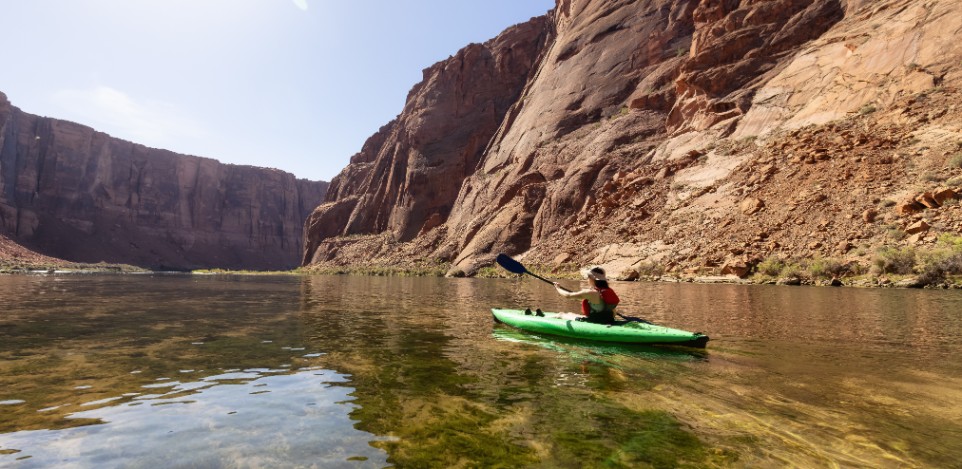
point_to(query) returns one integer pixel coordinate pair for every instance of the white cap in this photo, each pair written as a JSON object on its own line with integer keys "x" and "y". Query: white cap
{"x": 596, "y": 273}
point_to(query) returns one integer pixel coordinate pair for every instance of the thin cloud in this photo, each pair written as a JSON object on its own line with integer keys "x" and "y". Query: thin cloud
{"x": 302, "y": 4}
{"x": 153, "y": 123}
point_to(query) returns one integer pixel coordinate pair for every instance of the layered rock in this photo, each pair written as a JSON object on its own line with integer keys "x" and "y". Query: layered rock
{"x": 679, "y": 132}
{"x": 407, "y": 176}
{"x": 71, "y": 192}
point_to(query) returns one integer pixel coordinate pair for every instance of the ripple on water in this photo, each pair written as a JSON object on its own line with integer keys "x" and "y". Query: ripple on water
{"x": 166, "y": 384}
{"x": 100, "y": 401}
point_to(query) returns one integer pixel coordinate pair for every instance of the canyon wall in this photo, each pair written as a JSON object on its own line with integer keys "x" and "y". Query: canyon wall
{"x": 689, "y": 133}
{"x": 73, "y": 193}
{"x": 407, "y": 176}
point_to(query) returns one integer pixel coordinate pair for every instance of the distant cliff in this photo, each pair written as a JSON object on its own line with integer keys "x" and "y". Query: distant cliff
{"x": 71, "y": 192}
{"x": 691, "y": 134}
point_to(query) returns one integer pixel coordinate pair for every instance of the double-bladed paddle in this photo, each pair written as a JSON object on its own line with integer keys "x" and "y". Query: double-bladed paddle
{"x": 516, "y": 267}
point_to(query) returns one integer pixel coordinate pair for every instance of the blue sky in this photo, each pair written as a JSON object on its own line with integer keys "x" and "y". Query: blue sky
{"x": 291, "y": 84}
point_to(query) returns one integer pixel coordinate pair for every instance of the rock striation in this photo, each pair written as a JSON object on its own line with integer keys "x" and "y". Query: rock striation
{"x": 73, "y": 193}
{"x": 406, "y": 178}
{"x": 690, "y": 133}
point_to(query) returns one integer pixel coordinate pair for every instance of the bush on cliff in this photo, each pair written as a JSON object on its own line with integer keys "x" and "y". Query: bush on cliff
{"x": 936, "y": 265}
{"x": 771, "y": 267}
{"x": 826, "y": 268}
{"x": 890, "y": 260}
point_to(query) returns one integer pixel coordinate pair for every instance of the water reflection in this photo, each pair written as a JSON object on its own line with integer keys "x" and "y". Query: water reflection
{"x": 129, "y": 371}
{"x": 595, "y": 351}
{"x": 413, "y": 372}
{"x": 250, "y": 418}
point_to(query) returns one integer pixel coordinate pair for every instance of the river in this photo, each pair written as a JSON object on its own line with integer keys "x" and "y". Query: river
{"x": 342, "y": 371}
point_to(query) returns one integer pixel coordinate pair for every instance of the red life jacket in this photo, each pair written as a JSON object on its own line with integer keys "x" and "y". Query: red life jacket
{"x": 608, "y": 297}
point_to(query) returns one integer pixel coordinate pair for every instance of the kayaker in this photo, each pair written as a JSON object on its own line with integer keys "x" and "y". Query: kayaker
{"x": 598, "y": 302}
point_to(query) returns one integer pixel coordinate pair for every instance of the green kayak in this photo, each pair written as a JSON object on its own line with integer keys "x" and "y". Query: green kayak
{"x": 565, "y": 324}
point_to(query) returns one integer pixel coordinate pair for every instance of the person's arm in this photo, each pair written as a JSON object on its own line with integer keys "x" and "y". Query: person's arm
{"x": 581, "y": 295}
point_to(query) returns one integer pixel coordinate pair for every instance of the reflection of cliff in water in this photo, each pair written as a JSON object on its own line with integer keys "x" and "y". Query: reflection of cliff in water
{"x": 869, "y": 316}
{"x": 68, "y": 341}
{"x": 427, "y": 372}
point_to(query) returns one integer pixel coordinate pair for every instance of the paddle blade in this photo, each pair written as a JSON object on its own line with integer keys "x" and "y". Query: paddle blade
{"x": 510, "y": 264}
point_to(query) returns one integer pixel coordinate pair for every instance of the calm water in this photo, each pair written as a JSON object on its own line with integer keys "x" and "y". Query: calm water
{"x": 180, "y": 371}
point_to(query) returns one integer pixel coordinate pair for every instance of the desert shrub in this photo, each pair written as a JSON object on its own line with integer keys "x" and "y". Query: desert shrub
{"x": 826, "y": 268}
{"x": 894, "y": 232}
{"x": 951, "y": 241}
{"x": 889, "y": 260}
{"x": 771, "y": 266}
{"x": 956, "y": 161}
{"x": 856, "y": 268}
{"x": 936, "y": 265}
{"x": 792, "y": 271}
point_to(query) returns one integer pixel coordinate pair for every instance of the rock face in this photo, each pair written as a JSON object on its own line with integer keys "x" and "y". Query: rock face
{"x": 70, "y": 192}
{"x": 651, "y": 131}
{"x": 407, "y": 176}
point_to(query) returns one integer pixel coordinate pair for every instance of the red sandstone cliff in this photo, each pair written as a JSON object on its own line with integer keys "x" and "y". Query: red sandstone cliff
{"x": 407, "y": 176}
{"x": 690, "y": 133}
{"x": 71, "y": 192}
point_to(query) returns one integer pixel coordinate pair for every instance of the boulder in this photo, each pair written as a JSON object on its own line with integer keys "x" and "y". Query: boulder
{"x": 737, "y": 267}
{"x": 915, "y": 238}
{"x": 751, "y": 205}
{"x": 943, "y": 194}
{"x": 629, "y": 275}
{"x": 927, "y": 200}
{"x": 869, "y": 215}
{"x": 911, "y": 282}
{"x": 908, "y": 207}
{"x": 918, "y": 227}
{"x": 794, "y": 281}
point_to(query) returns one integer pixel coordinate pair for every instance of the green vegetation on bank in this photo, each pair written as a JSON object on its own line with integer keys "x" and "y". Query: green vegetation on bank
{"x": 243, "y": 272}
{"x": 25, "y": 267}
{"x": 437, "y": 270}
{"x": 937, "y": 265}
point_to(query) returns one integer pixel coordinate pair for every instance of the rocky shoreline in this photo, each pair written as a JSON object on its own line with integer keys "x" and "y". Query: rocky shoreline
{"x": 19, "y": 268}
{"x": 863, "y": 281}
{"x": 572, "y": 273}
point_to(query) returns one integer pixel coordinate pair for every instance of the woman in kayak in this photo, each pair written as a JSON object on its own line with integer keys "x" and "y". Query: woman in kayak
{"x": 598, "y": 302}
